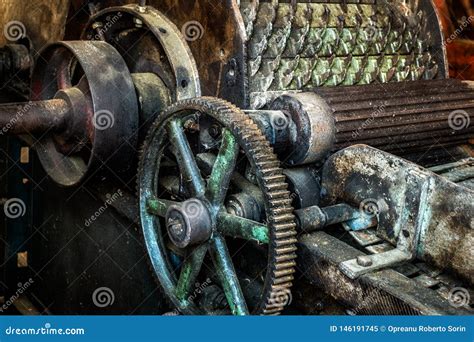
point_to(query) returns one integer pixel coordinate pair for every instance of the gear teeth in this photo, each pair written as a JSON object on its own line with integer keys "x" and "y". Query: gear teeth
{"x": 281, "y": 221}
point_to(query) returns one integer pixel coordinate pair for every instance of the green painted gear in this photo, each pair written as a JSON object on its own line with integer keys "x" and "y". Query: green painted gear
{"x": 239, "y": 133}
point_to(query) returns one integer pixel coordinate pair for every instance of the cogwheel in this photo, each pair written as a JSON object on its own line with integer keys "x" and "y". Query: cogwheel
{"x": 188, "y": 221}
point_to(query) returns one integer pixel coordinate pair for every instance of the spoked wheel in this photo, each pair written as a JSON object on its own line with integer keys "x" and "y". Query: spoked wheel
{"x": 191, "y": 230}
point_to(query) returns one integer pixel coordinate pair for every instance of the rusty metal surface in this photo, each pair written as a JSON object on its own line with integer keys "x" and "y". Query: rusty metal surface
{"x": 32, "y": 117}
{"x": 108, "y": 128}
{"x": 169, "y": 39}
{"x": 215, "y": 35}
{"x": 385, "y": 292}
{"x": 405, "y": 119}
{"x": 418, "y": 211}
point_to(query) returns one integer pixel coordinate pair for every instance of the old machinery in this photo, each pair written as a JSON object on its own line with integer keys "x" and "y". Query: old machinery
{"x": 200, "y": 221}
{"x": 149, "y": 42}
{"x": 411, "y": 209}
{"x": 404, "y": 119}
{"x": 68, "y": 118}
{"x": 81, "y": 129}
{"x": 330, "y": 155}
{"x": 257, "y": 49}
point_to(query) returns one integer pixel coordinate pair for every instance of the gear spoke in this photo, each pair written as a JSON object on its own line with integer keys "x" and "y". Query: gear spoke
{"x": 185, "y": 157}
{"x": 222, "y": 170}
{"x": 200, "y": 218}
{"x": 239, "y": 227}
{"x": 227, "y": 276}
{"x": 189, "y": 271}
{"x": 158, "y": 206}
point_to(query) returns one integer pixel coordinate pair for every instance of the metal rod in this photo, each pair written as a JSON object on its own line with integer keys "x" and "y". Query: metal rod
{"x": 315, "y": 218}
{"x": 32, "y": 117}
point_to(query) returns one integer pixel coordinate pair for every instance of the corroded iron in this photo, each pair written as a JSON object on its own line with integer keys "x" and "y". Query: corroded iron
{"x": 422, "y": 214}
{"x": 211, "y": 225}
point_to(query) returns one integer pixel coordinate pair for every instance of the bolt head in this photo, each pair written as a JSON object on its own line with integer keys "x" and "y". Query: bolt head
{"x": 364, "y": 261}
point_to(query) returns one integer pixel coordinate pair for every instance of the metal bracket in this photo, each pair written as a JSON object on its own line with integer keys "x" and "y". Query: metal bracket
{"x": 417, "y": 194}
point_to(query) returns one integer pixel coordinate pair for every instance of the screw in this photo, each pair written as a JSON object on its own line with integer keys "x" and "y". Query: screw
{"x": 364, "y": 261}
{"x": 138, "y": 22}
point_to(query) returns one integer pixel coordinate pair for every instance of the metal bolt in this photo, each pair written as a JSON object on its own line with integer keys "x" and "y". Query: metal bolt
{"x": 176, "y": 227}
{"x": 364, "y": 261}
{"x": 138, "y": 22}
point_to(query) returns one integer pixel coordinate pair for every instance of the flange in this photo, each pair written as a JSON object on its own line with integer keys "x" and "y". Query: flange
{"x": 101, "y": 128}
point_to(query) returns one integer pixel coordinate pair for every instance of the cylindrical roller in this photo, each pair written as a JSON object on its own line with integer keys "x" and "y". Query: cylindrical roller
{"x": 401, "y": 118}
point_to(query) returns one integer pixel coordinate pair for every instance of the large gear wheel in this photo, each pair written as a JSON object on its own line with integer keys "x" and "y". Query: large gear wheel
{"x": 184, "y": 217}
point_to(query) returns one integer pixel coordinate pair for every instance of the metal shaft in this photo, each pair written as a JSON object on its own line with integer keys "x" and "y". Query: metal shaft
{"x": 401, "y": 118}
{"x": 32, "y": 117}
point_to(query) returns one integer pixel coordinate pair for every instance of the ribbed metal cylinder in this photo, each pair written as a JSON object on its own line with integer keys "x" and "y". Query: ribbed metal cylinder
{"x": 403, "y": 117}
